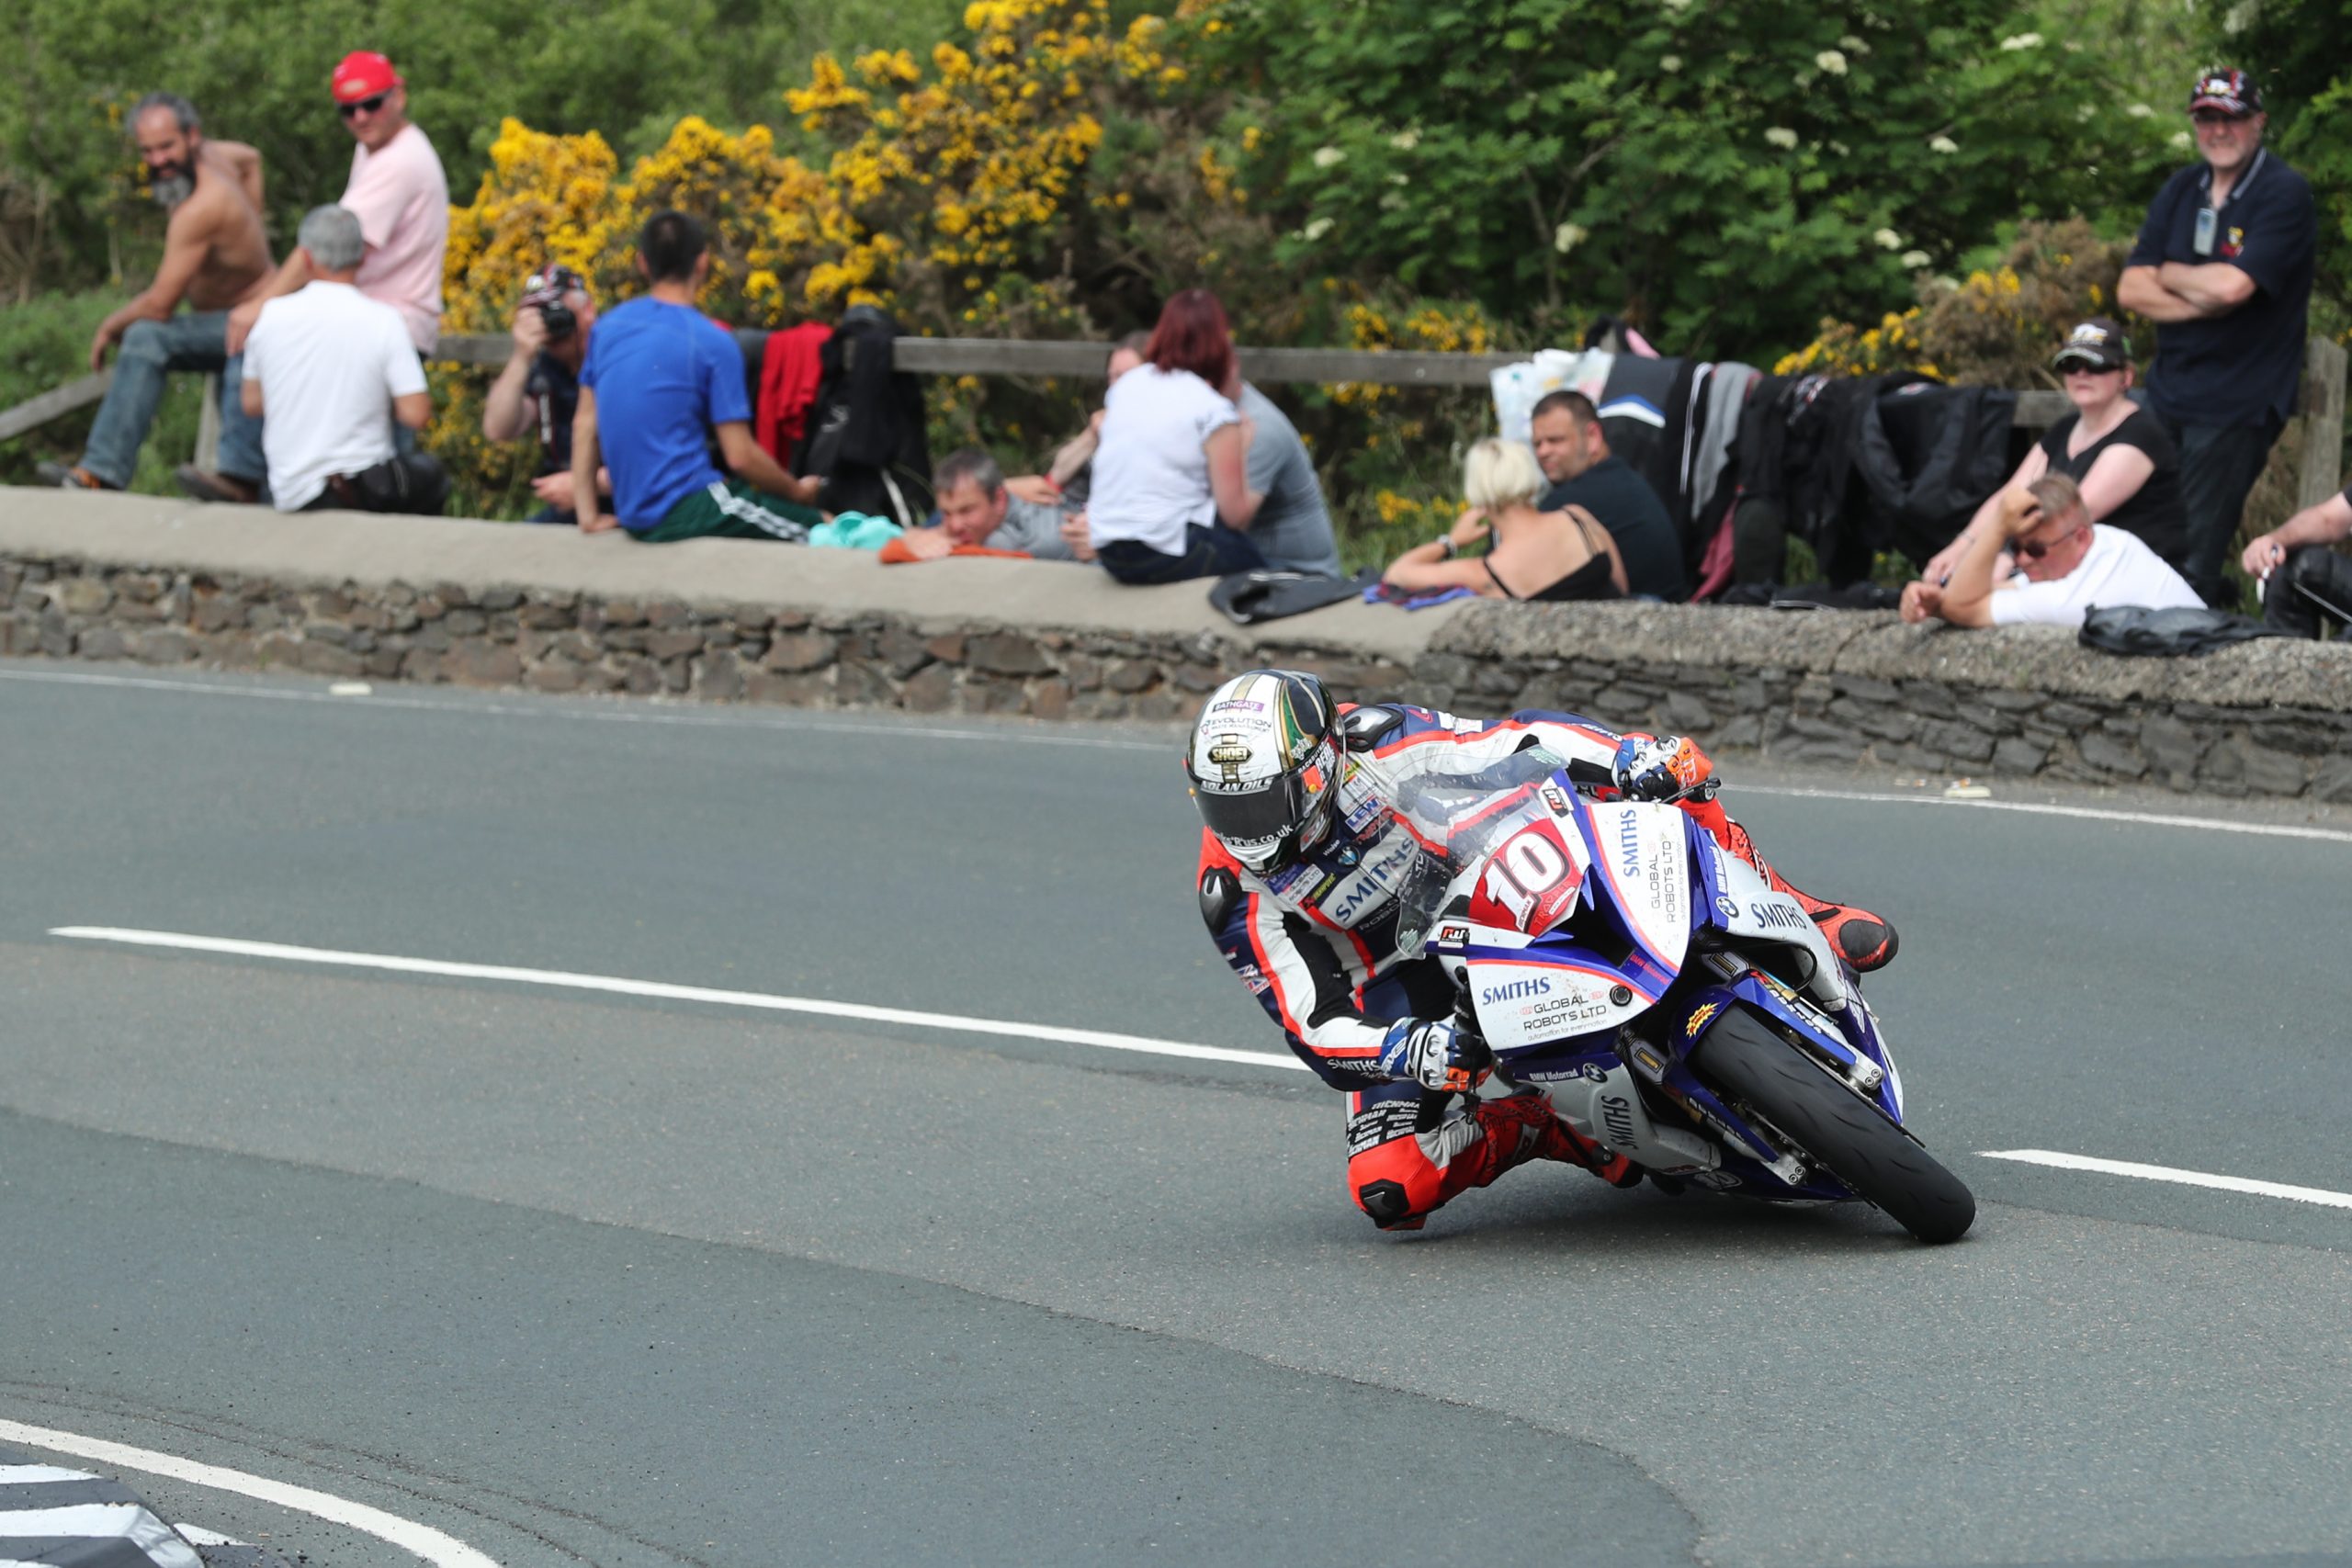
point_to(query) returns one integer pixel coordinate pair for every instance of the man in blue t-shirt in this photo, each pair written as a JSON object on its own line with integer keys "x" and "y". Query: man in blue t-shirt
{"x": 659, "y": 379}
{"x": 2223, "y": 268}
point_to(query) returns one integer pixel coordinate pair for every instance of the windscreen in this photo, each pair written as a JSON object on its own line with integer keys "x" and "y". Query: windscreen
{"x": 1458, "y": 818}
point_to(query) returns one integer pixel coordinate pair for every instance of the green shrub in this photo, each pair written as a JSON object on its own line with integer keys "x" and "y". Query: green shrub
{"x": 45, "y": 342}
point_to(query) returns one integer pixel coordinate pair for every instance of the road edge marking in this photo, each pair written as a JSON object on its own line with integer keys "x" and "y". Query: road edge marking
{"x": 434, "y": 1546}
{"x": 795, "y": 721}
{"x": 2052, "y": 1157}
{"x": 618, "y": 985}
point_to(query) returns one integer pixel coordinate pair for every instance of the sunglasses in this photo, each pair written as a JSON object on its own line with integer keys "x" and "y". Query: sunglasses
{"x": 2213, "y": 118}
{"x": 365, "y": 105}
{"x": 2034, "y": 549}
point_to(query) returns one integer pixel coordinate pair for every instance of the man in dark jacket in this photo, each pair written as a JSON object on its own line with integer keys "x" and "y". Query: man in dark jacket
{"x": 2223, "y": 268}
{"x": 1572, "y": 452}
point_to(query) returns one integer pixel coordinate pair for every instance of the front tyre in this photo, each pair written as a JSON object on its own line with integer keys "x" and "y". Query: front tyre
{"x": 1745, "y": 1059}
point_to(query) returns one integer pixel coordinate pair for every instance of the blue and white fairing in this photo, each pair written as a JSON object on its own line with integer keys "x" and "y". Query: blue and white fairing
{"x": 1565, "y": 919}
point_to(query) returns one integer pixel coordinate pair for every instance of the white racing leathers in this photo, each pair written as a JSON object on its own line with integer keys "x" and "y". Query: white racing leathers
{"x": 1316, "y": 943}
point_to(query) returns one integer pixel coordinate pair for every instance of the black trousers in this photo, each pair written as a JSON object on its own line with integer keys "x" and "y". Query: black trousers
{"x": 2312, "y": 588}
{"x": 2219, "y": 464}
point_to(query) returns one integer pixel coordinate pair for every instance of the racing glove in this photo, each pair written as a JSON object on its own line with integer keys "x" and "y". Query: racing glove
{"x": 1663, "y": 770}
{"x": 1430, "y": 1053}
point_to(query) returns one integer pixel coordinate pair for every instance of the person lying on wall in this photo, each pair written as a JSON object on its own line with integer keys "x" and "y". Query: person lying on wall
{"x": 659, "y": 381}
{"x": 979, "y": 512}
{"x": 2065, "y": 564}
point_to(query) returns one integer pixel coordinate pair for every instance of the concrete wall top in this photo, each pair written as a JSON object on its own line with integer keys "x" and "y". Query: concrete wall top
{"x": 329, "y": 548}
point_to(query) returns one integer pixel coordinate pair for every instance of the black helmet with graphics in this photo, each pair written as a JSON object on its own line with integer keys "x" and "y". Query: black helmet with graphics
{"x": 1264, "y": 763}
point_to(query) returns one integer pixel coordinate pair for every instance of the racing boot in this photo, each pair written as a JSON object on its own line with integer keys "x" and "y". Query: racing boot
{"x": 1565, "y": 1144}
{"x": 1866, "y": 940}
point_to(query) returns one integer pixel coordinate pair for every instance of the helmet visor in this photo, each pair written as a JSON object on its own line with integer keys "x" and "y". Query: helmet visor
{"x": 1256, "y": 817}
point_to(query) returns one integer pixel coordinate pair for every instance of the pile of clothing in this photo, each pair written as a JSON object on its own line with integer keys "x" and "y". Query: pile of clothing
{"x": 1852, "y": 465}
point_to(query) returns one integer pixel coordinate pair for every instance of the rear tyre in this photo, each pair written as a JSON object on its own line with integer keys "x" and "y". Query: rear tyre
{"x": 1743, "y": 1058}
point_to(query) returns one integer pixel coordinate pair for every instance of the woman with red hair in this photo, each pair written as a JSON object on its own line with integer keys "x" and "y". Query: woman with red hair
{"x": 1172, "y": 492}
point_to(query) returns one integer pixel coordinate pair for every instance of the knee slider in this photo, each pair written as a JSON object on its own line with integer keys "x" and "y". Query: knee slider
{"x": 1385, "y": 1202}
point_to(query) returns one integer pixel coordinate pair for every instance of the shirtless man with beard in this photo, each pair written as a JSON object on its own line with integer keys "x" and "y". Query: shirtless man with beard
{"x": 216, "y": 256}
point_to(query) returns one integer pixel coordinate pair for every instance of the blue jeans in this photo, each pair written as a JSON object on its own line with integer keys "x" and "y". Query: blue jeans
{"x": 1212, "y": 551}
{"x": 151, "y": 351}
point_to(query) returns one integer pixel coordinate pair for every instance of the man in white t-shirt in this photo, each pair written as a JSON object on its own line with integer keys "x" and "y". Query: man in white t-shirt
{"x": 2065, "y": 564}
{"x": 335, "y": 369}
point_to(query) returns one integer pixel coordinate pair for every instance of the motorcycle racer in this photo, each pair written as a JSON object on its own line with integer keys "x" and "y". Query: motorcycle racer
{"x": 1301, "y": 862}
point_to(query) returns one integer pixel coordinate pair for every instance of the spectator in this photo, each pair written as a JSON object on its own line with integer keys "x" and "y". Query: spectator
{"x": 1567, "y": 551}
{"x": 1172, "y": 492}
{"x": 336, "y": 369}
{"x": 2223, "y": 268}
{"x": 2114, "y": 450}
{"x": 401, "y": 199}
{"x": 2067, "y": 563}
{"x": 661, "y": 378}
{"x": 1574, "y": 452}
{"x": 1292, "y": 528}
{"x": 215, "y": 258}
{"x": 976, "y": 509}
{"x": 1067, "y": 478}
{"x": 539, "y": 389}
{"x": 2316, "y": 586}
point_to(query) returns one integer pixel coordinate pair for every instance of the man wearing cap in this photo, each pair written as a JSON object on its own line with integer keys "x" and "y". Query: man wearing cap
{"x": 2223, "y": 268}
{"x": 401, "y": 199}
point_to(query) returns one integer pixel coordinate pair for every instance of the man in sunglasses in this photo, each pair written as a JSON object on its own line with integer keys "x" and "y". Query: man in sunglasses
{"x": 2223, "y": 268}
{"x": 401, "y": 199}
{"x": 2066, "y": 563}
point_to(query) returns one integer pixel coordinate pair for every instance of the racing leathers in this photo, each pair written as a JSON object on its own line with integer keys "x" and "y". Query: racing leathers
{"x": 1316, "y": 942}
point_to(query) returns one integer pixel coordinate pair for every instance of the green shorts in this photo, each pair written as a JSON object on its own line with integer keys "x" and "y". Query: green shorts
{"x": 731, "y": 509}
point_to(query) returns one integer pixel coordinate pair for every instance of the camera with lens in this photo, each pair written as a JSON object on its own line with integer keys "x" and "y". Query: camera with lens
{"x": 544, "y": 291}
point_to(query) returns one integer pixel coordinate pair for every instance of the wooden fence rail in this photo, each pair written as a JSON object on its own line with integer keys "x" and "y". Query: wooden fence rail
{"x": 2323, "y": 400}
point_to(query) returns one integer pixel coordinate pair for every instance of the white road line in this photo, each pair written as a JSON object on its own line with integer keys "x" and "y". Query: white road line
{"x": 2037, "y": 808}
{"x": 566, "y": 980}
{"x": 647, "y": 711}
{"x": 421, "y": 1541}
{"x": 2166, "y": 1173}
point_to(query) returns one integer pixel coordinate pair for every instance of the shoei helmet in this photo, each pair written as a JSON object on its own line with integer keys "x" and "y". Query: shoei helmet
{"x": 1265, "y": 766}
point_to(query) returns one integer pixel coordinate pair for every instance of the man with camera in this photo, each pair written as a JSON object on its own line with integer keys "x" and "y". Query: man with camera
{"x": 539, "y": 389}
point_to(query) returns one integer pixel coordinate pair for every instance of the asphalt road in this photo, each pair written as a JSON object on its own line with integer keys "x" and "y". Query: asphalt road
{"x": 616, "y": 1279}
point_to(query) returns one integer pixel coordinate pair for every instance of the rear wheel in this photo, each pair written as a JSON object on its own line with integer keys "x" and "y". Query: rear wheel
{"x": 1743, "y": 1058}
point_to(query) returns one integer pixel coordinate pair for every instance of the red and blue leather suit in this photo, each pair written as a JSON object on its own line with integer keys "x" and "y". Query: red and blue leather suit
{"x": 1316, "y": 944}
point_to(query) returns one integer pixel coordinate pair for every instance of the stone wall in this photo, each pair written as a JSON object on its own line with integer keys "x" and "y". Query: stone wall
{"x": 2271, "y": 718}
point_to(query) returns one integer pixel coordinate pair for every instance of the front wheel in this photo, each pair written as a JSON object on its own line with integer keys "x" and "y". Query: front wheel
{"x": 1745, "y": 1059}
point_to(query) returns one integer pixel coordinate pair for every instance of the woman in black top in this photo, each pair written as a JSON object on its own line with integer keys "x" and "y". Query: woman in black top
{"x": 2117, "y": 451}
{"x": 1567, "y": 552}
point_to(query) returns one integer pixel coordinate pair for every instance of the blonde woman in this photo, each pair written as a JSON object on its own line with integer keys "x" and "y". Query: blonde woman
{"x": 1554, "y": 556}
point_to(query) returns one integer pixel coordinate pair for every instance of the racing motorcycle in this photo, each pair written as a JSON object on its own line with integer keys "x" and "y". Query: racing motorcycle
{"x": 1673, "y": 1007}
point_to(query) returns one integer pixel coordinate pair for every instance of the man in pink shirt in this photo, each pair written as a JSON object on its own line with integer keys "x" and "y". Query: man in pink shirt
{"x": 401, "y": 199}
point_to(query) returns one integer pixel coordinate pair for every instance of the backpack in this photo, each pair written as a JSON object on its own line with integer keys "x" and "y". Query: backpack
{"x": 866, "y": 436}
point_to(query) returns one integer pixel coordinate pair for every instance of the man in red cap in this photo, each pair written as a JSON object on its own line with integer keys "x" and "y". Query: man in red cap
{"x": 401, "y": 199}
{"x": 2223, "y": 268}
